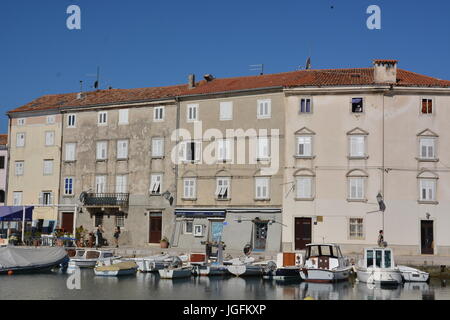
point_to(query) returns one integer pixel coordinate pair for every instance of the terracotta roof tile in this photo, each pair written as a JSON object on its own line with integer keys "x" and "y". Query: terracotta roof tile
{"x": 301, "y": 78}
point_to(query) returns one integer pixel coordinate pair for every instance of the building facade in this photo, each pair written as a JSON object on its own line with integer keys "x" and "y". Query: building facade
{"x": 34, "y": 165}
{"x": 3, "y": 167}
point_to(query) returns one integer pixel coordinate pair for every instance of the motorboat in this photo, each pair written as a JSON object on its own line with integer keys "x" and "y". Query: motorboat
{"x": 287, "y": 267}
{"x": 413, "y": 275}
{"x": 25, "y": 260}
{"x": 378, "y": 267}
{"x": 247, "y": 267}
{"x": 87, "y": 258}
{"x": 210, "y": 269}
{"x": 175, "y": 270}
{"x": 151, "y": 263}
{"x": 114, "y": 268}
{"x": 325, "y": 263}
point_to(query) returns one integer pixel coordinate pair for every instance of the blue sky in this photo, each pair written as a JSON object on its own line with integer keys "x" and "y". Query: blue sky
{"x": 140, "y": 43}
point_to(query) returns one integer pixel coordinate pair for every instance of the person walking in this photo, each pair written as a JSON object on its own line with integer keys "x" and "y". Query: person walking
{"x": 116, "y": 236}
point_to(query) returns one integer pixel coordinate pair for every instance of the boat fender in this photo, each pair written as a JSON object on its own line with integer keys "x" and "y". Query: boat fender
{"x": 305, "y": 271}
{"x": 10, "y": 272}
{"x": 308, "y": 298}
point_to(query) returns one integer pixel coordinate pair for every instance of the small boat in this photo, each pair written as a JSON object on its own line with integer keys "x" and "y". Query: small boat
{"x": 151, "y": 263}
{"x": 88, "y": 258}
{"x": 114, "y": 268}
{"x": 175, "y": 270}
{"x": 325, "y": 263}
{"x": 378, "y": 267}
{"x": 413, "y": 275}
{"x": 246, "y": 267}
{"x": 211, "y": 269}
{"x": 28, "y": 260}
{"x": 287, "y": 267}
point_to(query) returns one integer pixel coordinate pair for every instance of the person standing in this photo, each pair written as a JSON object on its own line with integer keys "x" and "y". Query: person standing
{"x": 381, "y": 239}
{"x": 99, "y": 236}
{"x": 116, "y": 236}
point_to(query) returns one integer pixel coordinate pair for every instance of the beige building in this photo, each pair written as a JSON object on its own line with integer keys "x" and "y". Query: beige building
{"x": 351, "y": 134}
{"x": 34, "y": 164}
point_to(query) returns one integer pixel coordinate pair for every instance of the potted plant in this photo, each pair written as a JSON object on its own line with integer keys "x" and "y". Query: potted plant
{"x": 164, "y": 243}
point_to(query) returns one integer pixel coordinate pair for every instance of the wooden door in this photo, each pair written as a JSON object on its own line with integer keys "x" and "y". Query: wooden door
{"x": 302, "y": 233}
{"x": 67, "y": 221}
{"x": 155, "y": 229}
{"x": 426, "y": 235}
{"x": 260, "y": 235}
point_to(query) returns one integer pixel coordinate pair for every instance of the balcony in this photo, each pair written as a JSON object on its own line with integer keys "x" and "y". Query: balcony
{"x": 106, "y": 200}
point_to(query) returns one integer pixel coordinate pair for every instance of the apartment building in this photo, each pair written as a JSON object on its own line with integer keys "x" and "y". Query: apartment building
{"x": 3, "y": 167}
{"x": 353, "y": 134}
{"x": 34, "y": 161}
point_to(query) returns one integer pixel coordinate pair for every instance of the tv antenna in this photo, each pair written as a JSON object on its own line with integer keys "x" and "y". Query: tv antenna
{"x": 257, "y": 67}
{"x": 97, "y": 82}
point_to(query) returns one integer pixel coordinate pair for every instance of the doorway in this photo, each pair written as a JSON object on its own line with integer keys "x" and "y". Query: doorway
{"x": 426, "y": 237}
{"x": 155, "y": 229}
{"x": 67, "y": 221}
{"x": 260, "y": 240}
{"x": 302, "y": 233}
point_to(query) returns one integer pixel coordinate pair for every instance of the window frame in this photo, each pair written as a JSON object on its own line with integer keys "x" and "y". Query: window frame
{"x": 190, "y": 106}
{"x": 297, "y": 146}
{"x": 311, "y": 196}
{"x": 123, "y": 185}
{"x": 363, "y": 187}
{"x": 100, "y": 118}
{"x": 52, "y": 166}
{"x": 434, "y": 143}
{"x": 266, "y": 186}
{"x": 46, "y": 138}
{"x": 99, "y": 151}
{"x": 66, "y": 149}
{"x": 69, "y": 117}
{"x": 16, "y": 167}
{"x": 156, "y": 111}
{"x": 71, "y": 184}
{"x": 22, "y": 145}
{"x": 121, "y": 116}
{"x": 225, "y": 104}
{"x": 193, "y": 187}
{"x": 269, "y": 109}
{"x": 227, "y": 184}
{"x": 153, "y": 178}
{"x": 154, "y": 149}
{"x": 356, "y": 235}
{"x": 363, "y": 102}
{"x": 120, "y": 150}
{"x": 433, "y": 106}
{"x": 433, "y": 182}
{"x": 364, "y": 146}
{"x": 310, "y": 105}
{"x": 16, "y": 193}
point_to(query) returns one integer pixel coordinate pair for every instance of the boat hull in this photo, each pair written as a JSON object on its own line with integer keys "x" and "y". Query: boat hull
{"x": 379, "y": 276}
{"x": 413, "y": 275}
{"x": 88, "y": 263}
{"x": 175, "y": 273}
{"x": 115, "y": 273}
{"x": 325, "y": 275}
{"x": 245, "y": 270}
{"x": 283, "y": 274}
{"x": 209, "y": 271}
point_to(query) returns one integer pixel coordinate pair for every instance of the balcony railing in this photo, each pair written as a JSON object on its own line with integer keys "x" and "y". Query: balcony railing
{"x": 106, "y": 200}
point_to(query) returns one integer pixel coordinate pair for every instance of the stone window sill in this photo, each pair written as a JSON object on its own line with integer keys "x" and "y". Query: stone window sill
{"x": 427, "y": 160}
{"x": 358, "y": 158}
{"x": 70, "y": 161}
{"x": 122, "y": 159}
{"x": 218, "y": 199}
{"x": 427, "y": 202}
{"x": 189, "y": 199}
{"x": 356, "y": 200}
{"x": 304, "y": 199}
{"x": 101, "y": 160}
{"x": 157, "y": 157}
{"x": 304, "y": 157}
{"x": 262, "y": 200}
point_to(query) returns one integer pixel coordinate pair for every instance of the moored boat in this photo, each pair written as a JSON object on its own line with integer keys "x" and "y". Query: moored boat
{"x": 115, "y": 268}
{"x": 175, "y": 273}
{"x": 151, "y": 263}
{"x": 325, "y": 263}
{"x": 413, "y": 275}
{"x": 88, "y": 258}
{"x": 378, "y": 267}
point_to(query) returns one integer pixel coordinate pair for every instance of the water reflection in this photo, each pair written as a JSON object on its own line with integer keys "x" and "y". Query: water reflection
{"x": 150, "y": 286}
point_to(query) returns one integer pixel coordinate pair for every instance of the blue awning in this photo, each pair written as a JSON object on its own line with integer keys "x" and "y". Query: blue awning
{"x": 200, "y": 213}
{"x": 15, "y": 213}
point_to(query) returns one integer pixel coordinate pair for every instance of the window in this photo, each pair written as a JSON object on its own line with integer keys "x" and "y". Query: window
{"x": 122, "y": 149}
{"x": 188, "y": 227}
{"x": 46, "y": 198}
{"x": 51, "y": 119}
{"x": 369, "y": 258}
{"x": 427, "y": 148}
{"x": 123, "y": 116}
{"x": 102, "y": 118}
{"x": 158, "y": 114}
{"x": 20, "y": 168}
{"x": 192, "y": 112}
{"x": 304, "y": 188}
{"x": 356, "y": 188}
{"x": 264, "y": 109}
{"x": 223, "y": 188}
{"x": 20, "y": 140}
{"x": 305, "y": 105}
{"x": 223, "y": 149}
{"x": 304, "y": 146}
{"x": 427, "y": 106}
{"x": 263, "y": 148}
{"x": 120, "y": 220}
{"x": 21, "y": 122}
{"x": 387, "y": 259}
{"x": 156, "y": 184}
{"x": 356, "y": 228}
{"x": 357, "y": 146}
{"x": 70, "y": 151}
{"x": 2, "y": 162}
{"x": 102, "y": 150}
{"x": 357, "y": 105}
{"x": 71, "y": 120}
{"x": 427, "y": 189}
{"x": 190, "y": 151}
{"x": 2, "y": 196}
{"x": 378, "y": 258}
{"x": 157, "y": 147}
{"x": 48, "y": 167}
{"x": 100, "y": 184}
{"x": 68, "y": 186}
{"x": 189, "y": 190}
{"x": 98, "y": 219}
{"x": 17, "y": 198}
{"x": 49, "y": 138}
{"x": 121, "y": 184}
{"x": 262, "y": 188}
{"x": 226, "y": 111}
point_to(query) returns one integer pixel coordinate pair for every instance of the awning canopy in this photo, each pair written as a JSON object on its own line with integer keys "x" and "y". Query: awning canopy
{"x": 200, "y": 213}
{"x": 16, "y": 213}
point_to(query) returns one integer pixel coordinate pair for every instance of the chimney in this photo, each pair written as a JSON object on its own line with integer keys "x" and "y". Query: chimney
{"x": 191, "y": 81}
{"x": 385, "y": 71}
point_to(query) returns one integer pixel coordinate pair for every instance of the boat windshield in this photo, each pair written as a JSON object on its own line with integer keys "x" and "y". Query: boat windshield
{"x": 92, "y": 255}
{"x": 369, "y": 259}
{"x": 80, "y": 253}
{"x": 378, "y": 257}
{"x": 387, "y": 259}
{"x": 316, "y": 251}
{"x": 107, "y": 255}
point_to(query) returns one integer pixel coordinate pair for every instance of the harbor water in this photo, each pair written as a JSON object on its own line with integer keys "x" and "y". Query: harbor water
{"x": 148, "y": 286}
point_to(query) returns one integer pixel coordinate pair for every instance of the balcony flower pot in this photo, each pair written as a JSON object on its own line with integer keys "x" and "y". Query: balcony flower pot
{"x": 164, "y": 243}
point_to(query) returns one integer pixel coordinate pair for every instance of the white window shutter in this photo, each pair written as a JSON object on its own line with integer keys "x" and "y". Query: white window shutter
{"x": 198, "y": 151}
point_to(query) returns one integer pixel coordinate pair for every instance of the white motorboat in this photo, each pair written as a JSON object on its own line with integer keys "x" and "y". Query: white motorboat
{"x": 87, "y": 258}
{"x": 211, "y": 269}
{"x": 151, "y": 263}
{"x": 413, "y": 275}
{"x": 114, "y": 268}
{"x": 175, "y": 273}
{"x": 325, "y": 263}
{"x": 246, "y": 267}
{"x": 378, "y": 267}
{"x": 287, "y": 267}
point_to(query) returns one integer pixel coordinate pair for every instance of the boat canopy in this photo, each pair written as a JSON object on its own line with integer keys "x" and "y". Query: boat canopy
{"x": 323, "y": 250}
{"x": 8, "y": 213}
{"x": 378, "y": 258}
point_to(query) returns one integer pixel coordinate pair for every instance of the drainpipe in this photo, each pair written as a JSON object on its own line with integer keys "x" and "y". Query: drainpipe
{"x": 177, "y": 103}
{"x": 382, "y": 163}
{"x": 58, "y": 222}
{"x": 8, "y": 150}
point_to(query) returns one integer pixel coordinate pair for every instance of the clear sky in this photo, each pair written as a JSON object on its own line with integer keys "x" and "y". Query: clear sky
{"x": 139, "y": 43}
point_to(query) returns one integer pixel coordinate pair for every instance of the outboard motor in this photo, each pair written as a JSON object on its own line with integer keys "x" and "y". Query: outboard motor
{"x": 248, "y": 249}
{"x": 176, "y": 262}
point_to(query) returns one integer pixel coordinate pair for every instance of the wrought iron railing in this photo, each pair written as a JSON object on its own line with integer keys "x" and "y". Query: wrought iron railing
{"x": 106, "y": 199}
